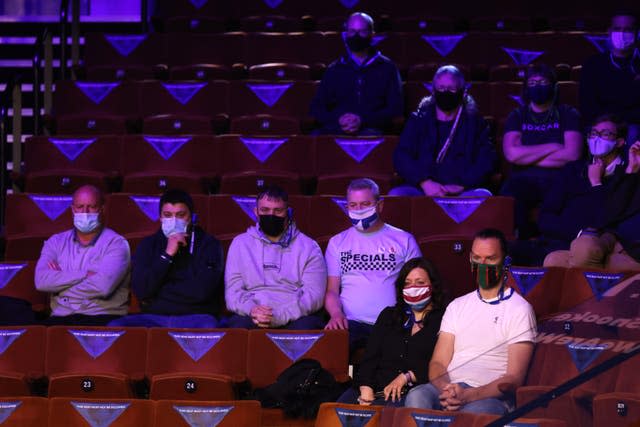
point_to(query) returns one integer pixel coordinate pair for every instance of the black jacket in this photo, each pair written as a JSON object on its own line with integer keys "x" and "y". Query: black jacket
{"x": 188, "y": 284}
{"x": 392, "y": 349}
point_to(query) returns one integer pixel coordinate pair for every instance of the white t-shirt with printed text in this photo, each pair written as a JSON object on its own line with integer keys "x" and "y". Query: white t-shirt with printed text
{"x": 367, "y": 265}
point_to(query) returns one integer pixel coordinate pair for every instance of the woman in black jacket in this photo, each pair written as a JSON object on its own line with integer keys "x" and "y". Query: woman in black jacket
{"x": 400, "y": 346}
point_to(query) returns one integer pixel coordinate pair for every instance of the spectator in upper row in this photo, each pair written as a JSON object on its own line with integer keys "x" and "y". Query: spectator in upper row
{"x": 445, "y": 148}
{"x": 177, "y": 271}
{"x": 275, "y": 275}
{"x": 594, "y": 206}
{"x": 360, "y": 93}
{"x": 85, "y": 269}
{"x": 363, "y": 263}
{"x": 610, "y": 81}
{"x": 540, "y": 137}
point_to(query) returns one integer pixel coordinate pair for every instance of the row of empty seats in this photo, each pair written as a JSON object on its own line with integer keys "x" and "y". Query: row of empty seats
{"x": 188, "y": 364}
{"x": 405, "y": 49}
{"x": 238, "y": 106}
{"x": 36, "y": 411}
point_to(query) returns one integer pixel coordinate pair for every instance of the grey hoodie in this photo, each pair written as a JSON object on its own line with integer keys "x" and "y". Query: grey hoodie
{"x": 291, "y": 280}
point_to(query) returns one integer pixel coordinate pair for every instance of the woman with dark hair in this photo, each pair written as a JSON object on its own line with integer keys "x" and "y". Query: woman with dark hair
{"x": 400, "y": 345}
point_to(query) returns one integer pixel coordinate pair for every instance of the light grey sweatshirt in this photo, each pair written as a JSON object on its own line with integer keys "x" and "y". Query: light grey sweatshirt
{"x": 291, "y": 280}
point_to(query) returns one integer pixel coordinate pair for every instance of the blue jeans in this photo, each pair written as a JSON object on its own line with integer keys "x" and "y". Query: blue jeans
{"x": 165, "y": 321}
{"x": 425, "y": 396}
{"x": 358, "y": 335}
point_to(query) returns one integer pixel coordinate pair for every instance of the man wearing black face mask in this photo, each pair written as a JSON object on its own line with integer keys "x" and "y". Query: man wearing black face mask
{"x": 275, "y": 275}
{"x": 540, "y": 137}
{"x": 445, "y": 149}
{"x": 361, "y": 92}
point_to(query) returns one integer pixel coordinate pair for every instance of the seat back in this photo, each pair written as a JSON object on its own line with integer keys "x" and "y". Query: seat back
{"x": 341, "y": 414}
{"x": 101, "y": 412}
{"x": 41, "y": 214}
{"x": 17, "y": 282}
{"x": 419, "y": 417}
{"x": 85, "y": 349}
{"x": 213, "y": 351}
{"x": 24, "y": 411}
{"x": 272, "y": 351}
{"x": 22, "y": 350}
{"x": 236, "y": 413}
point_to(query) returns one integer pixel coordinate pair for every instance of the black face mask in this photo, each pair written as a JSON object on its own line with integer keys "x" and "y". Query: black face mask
{"x": 446, "y": 100}
{"x": 272, "y": 225}
{"x": 540, "y": 94}
{"x": 357, "y": 43}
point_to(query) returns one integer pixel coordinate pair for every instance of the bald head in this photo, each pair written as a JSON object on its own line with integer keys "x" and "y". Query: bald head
{"x": 358, "y": 21}
{"x": 87, "y": 199}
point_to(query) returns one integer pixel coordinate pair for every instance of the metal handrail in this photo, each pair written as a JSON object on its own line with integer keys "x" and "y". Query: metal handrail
{"x": 64, "y": 20}
{"x": 37, "y": 80}
{"x": 5, "y": 103}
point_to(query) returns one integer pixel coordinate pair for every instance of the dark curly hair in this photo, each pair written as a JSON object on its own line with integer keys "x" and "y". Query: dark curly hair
{"x": 437, "y": 294}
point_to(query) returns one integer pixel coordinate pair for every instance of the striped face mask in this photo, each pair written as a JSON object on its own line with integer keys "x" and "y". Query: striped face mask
{"x": 417, "y": 297}
{"x": 487, "y": 276}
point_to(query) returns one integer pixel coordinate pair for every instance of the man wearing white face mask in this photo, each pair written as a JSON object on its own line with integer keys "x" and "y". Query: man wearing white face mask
{"x": 177, "y": 271}
{"x": 610, "y": 81}
{"x": 86, "y": 269}
{"x": 363, "y": 263}
{"x": 590, "y": 199}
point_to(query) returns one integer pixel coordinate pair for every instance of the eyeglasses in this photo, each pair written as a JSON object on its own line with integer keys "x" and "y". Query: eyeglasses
{"x": 606, "y": 134}
{"x": 363, "y": 32}
{"x": 537, "y": 82}
{"x": 446, "y": 88}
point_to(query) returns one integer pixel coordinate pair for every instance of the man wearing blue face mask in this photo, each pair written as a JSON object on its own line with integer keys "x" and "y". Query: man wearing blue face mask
{"x": 177, "y": 272}
{"x": 86, "y": 269}
{"x": 591, "y": 202}
{"x": 610, "y": 81}
{"x": 363, "y": 263}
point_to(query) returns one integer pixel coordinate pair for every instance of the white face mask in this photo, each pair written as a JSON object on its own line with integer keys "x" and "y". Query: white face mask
{"x": 362, "y": 219}
{"x": 599, "y": 147}
{"x": 86, "y": 222}
{"x": 622, "y": 40}
{"x": 417, "y": 296}
{"x": 173, "y": 225}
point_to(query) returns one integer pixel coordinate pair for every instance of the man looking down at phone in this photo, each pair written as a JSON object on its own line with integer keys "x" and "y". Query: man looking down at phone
{"x": 275, "y": 275}
{"x": 177, "y": 271}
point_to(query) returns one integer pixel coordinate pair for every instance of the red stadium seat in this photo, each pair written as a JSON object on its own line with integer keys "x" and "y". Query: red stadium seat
{"x": 200, "y": 72}
{"x": 201, "y": 364}
{"x": 59, "y": 165}
{"x": 341, "y": 414}
{"x": 460, "y": 216}
{"x": 188, "y": 49}
{"x": 109, "y": 73}
{"x": 80, "y": 412}
{"x": 450, "y": 255}
{"x": 238, "y": 413}
{"x": 21, "y": 358}
{"x": 152, "y": 164}
{"x": 505, "y": 97}
{"x": 411, "y": 416}
{"x": 94, "y": 361}
{"x": 17, "y": 282}
{"x": 272, "y": 351}
{"x": 300, "y": 48}
{"x": 280, "y": 71}
{"x": 124, "y": 49}
{"x": 541, "y": 287}
{"x": 91, "y": 124}
{"x": 341, "y": 159}
{"x": 24, "y": 411}
{"x": 285, "y": 98}
{"x": 265, "y": 124}
{"x": 616, "y": 409}
{"x": 96, "y": 99}
{"x": 581, "y": 285}
{"x": 198, "y": 98}
{"x": 195, "y": 24}
{"x": 270, "y": 23}
{"x": 249, "y": 161}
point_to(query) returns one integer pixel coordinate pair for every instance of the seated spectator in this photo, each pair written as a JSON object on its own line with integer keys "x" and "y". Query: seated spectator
{"x": 610, "y": 81}
{"x": 594, "y": 206}
{"x": 363, "y": 264}
{"x": 275, "y": 275}
{"x": 540, "y": 137}
{"x": 85, "y": 269}
{"x": 177, "y": 271}
{"x": 486, "y": 338}
{"x": 360, "y": 93}
{"x": 444, "y": 149}
{"x": 402, "y": 340}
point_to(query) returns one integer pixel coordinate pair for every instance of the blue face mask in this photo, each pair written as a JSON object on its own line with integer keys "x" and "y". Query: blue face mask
{"x": 362, "y": 219}
{"x": 173, "y": 225}
{"x": 86, "y": 222}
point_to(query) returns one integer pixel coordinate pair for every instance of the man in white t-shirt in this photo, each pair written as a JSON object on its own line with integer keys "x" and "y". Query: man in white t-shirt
{"x": 363, "y": 263}
{"x": 486, "y": 339}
